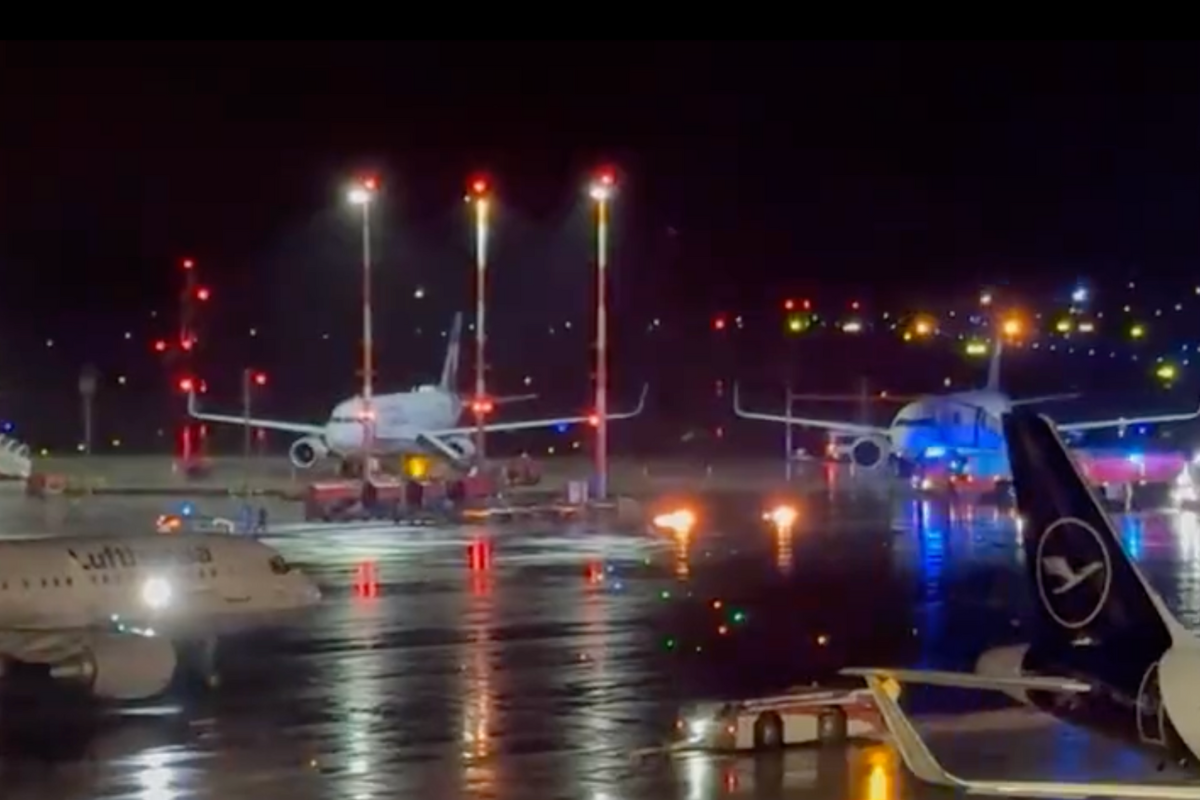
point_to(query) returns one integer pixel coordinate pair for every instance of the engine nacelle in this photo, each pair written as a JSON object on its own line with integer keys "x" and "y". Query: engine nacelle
{"x": 870, "y": 451}
{"x": 461, "y": 445}
{"x": 1005, "y": 662}
{"x": 307, "y": 451}
{"x": 124, "y": 667}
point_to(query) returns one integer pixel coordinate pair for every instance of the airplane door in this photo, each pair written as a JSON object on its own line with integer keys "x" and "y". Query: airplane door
{"x": 1150, "y": 711}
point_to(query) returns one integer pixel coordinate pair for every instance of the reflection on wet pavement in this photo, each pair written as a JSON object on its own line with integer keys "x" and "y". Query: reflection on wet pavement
{"x": 533, "y": 663}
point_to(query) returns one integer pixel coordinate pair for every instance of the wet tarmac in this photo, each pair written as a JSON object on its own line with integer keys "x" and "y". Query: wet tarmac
{"x": 533, "y": 662}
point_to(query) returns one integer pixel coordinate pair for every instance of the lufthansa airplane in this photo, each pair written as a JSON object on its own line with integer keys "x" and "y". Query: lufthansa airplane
{"x": 118, "y": 614}
{"x": 1107, "y": 654}
{"x": 947, "y": 428}
{"x": 424, "y": 421}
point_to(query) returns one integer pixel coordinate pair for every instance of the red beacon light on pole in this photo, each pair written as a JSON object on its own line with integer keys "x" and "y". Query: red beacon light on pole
{"x": 203, "y": 294}
{"x": 260, "y": 379}
{"x": 188, "y": 263}
{"x": 479, "y": 186}
{"x": 187, "y": 385}
{"x": 594, "y": 420}
{"x": 160, "y": 346}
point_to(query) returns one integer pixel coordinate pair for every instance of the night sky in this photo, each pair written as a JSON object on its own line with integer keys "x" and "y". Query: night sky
{"x": 747, "y": 172}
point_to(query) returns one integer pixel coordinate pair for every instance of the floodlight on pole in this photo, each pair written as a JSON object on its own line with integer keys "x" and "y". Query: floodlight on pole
{"x": 601, "y": 190}
{"x": 480, "y": 197}
{"x": 362, "y": 195}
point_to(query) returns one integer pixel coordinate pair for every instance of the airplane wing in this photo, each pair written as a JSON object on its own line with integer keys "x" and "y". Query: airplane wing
{"x": 537, "y": 423}
{"x": 969, "y": 680}
{"x": 1044, "y": 398}
{"x": 256, "y": 422}
{"x": 1121, "y": 422}
{"x": 856, "y": 398}
{"x": 512, "y": 398}
{"x": 826, "y": 424}
{"x": 921, "y": 762}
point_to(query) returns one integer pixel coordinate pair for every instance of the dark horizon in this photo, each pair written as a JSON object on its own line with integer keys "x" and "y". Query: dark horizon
{"x": 909, "y": 175}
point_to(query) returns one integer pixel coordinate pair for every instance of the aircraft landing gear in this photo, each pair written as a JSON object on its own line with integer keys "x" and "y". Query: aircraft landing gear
{"x": 903, "y": 468}
{"x": 198, "y": 657}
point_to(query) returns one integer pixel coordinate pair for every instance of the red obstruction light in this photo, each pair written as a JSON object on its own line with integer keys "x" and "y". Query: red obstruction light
{"x": 606, "y": 177}
{"x": 370, "y": 183}
{"x": 594, "y": 420}
{"x": 479, "y": 554}
{"x": 479, "y": 185}
{"x": 719, "y": 324}
{"x": 482, "y": 407}
{"x": 188, "y": 263}
{"x": 202, "y": 294}
{"x": 186, "y": 385}
{"x": 260, "y": 378}
{"x": 789, "y": 305}
{"x": 366, "y": 580}
{"x": 160, "y": 346}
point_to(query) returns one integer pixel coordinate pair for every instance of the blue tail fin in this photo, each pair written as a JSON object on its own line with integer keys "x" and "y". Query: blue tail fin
{"x": 1085, "y": 585}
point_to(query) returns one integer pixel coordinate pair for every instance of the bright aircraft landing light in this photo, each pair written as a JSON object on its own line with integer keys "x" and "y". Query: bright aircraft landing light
{"x": 782, "y": 516}
{"x": 680, "y": 521}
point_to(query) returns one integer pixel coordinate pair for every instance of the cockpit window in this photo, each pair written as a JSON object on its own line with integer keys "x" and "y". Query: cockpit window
{"x": 279, "y": 566}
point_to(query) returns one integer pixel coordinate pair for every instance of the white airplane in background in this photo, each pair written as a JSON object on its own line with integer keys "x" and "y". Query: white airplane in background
{"x": 946, "y": 428}
{"x": 109, "y": 612}
{"x": 1108, "y": 655}
{"x": 425, "y": 420}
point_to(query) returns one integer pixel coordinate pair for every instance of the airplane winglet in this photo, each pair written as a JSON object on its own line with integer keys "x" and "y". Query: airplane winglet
{"x": 637, "y": 410}
{"x": 922, "y": 763}
{"x": 916, "y": 754}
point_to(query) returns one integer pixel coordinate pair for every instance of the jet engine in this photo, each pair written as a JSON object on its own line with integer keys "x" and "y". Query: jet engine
{"x": 870, "y": 451}
{"x": 307, "y": 451}
{"x": 1005, "y": 662}
{"x": 462, "y": 445}
{"x": 121, "y": 667}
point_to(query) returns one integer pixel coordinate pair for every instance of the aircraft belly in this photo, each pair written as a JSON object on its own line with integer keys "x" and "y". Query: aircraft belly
{"x": 399, "y": 446}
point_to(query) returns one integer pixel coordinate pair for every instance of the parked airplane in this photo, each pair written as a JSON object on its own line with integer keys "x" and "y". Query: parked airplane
{"x": 1107, "y": 655}
{"x": 946, "y": 427}
{"x": 424, "y": 420}
{"x": 118, "y": 613}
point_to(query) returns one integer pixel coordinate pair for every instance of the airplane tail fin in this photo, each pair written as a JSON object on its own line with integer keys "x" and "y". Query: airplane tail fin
{"x": 1084, "y": 583}
{"x": 993, "y": 377}
{"x": 449, "y": 379}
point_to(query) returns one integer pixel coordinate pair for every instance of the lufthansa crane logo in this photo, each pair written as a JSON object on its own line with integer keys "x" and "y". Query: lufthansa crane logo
{"x": 1074, "y": 572}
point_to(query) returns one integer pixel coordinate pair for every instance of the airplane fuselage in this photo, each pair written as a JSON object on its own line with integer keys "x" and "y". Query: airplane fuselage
{"x": 399, "y": 420}
{"x": 77, "y": 582}
{"x": 935, "y": 426}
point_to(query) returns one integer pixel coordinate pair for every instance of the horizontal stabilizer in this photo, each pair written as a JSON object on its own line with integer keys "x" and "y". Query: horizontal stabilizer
{"x": 970, "y": 680}
{"x": 921, "y": 762}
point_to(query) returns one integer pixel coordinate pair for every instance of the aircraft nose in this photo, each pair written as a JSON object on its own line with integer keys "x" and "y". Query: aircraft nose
{"x": 344, "y": 437}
